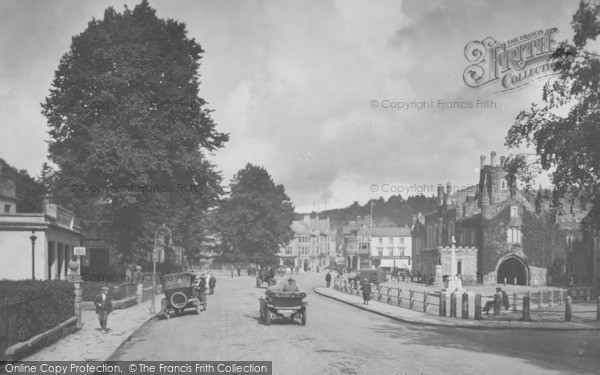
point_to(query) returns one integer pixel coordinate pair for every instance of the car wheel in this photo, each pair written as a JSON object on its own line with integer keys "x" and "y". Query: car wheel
{"x": 178, "y": 300}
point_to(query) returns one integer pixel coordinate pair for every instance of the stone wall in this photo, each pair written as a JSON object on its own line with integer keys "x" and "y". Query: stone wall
{"x": 539, "y": 274}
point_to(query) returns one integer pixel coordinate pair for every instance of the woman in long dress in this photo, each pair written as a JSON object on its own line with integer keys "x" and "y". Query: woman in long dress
{"x": 366, "y": 291}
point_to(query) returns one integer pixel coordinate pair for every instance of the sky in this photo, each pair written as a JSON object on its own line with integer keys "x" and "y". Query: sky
{"x": 305, "y": 88}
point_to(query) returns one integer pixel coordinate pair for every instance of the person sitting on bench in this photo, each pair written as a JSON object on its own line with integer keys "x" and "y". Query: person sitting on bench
{"x": 492, "y": 303}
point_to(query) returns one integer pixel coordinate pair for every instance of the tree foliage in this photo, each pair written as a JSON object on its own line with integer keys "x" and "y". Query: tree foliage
{"x": 29, "y": 191}
{"x": 565, "y": 128}
{"x": 128, "y": 129}
{"x": 254, "y": 222}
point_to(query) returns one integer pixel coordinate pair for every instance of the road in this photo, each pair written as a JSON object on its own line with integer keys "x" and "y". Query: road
{"x": 341, "y": 339}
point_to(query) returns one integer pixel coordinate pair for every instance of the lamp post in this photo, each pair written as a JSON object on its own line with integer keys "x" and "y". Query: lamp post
{"x": 33, "y": 238}
{"x": 154, "y": 259}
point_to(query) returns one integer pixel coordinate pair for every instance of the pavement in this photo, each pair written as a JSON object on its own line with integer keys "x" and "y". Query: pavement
{"x": 89, "y": 343}
{"x": 415, "y": 317}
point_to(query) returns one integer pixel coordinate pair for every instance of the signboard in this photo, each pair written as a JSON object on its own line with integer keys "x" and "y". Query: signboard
{"x": 79, "y": 250}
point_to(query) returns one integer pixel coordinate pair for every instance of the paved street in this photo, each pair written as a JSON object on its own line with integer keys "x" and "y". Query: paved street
{"x": 340, "y": 339}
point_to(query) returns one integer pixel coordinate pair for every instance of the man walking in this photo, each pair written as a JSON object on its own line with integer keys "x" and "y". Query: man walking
{"x": 328, "y": 279}
{"x": 212, "y": 282}
{"x": 103, "y": 304}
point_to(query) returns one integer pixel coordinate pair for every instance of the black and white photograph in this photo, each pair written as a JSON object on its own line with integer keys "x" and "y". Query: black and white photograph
{"x": 299, "y": 187}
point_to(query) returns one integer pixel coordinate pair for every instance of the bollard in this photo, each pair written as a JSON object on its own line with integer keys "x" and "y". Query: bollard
{"x": 465, "y": 306}
{"x": 477, "y": 306}
{"x": 442, "y": 304}
{"x": 526, "y": 305}
{"x": 399, "y": 296}
{"x": 497, "y": 303}
{"x": 505, "y": 281}
{"x": 560, "y": 297}
{"x": 540, "y": 299}
{"x": 568, "y": 312}
{"x": 551, "y": 297}
{"x": 514, "y": 304}
{"x": 453, "y": 305}
{"x": 424, "y": 302}
{"x": 515, "y": 281}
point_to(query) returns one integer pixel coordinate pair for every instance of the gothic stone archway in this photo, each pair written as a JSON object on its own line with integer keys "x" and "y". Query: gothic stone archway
{"x": 511, "y": 267}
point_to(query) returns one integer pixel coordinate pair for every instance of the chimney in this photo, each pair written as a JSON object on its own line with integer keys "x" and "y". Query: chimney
{"x": 493, "y": 158}
{"x": 481, "y": 161}
{"x": 440, "y": 195}
{"x": 502, "y": 160}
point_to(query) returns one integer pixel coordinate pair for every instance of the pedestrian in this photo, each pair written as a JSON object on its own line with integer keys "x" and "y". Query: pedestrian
{"x": 328, "y": 279}
{"x": 232, "y": 272}
{"x": 366, "y": 291}
{"x": 492, "y": 303}
{"x": 239, "y": 271}
{"x": 103, "y": 302}
{"x": 212, "y": 282}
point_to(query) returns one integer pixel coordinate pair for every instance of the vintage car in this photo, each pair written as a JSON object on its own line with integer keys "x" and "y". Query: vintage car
{"x": 374, "y": 276}
{"x": 181, "y": 292}
{"x": 280, "y": 304}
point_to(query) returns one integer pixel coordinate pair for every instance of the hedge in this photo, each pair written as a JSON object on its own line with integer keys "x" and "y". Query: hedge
{"x": 43, "y": 304}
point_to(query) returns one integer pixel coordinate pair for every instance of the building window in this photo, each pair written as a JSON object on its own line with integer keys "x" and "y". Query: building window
{"x": 402, "y": 240}
{"x": 380, "y": 253}
{"x": 401, "y": 253}
{"x": 503, "y": 184}
{"x": 391, "y": 241}
{"x": 450, "y": 230}
{"x": 459, "y": 267}
{"x": 380, "y": 241}
{"x": 514, "y": 235}
{"x": 288, "y": 250}
{"x": 429, "y": 237}
{"x": 513, "y": 212}
{"x": 7, "y": 208}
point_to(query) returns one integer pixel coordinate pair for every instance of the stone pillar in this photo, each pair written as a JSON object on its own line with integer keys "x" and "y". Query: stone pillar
{"x": 465, "y": 306}
{"x": 438, "y": 276}
{"x": 75, "y": 278}
{"x": 514, "y": 304}
{"x": 568, "y": 311}
{"x": 54, "y": 265}
{"x": 526, "y": 308}
{"x": 442, "y": 304}
{"x": 477, "y": 311}
{"x": 453, "y": 305}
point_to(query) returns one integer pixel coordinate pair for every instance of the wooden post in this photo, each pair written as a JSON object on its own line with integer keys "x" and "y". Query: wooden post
{"x": 399, "y": 296}
{"x": 551, "y": 297}
{"x": 568, "y": 312}
{"x": 514, "y": 307}
{"x": 443, "y": 304}
{"x": 424, "y": 302}
{"x": 560, "y": 296}
{"x": 598, "y": 309}
{"x": 410, "y": 300}
{"x": 477, "y": 311}
{"x": 526, "y": 303}
{"x": 453, "y": 305}
{"x": 497, "y": 303}
{"x": 465, "y": 306}
{"x": 389, "y": 296}
{"x": 540, "y": 299}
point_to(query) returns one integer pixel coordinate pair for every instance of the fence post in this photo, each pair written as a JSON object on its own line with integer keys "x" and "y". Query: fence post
{"x": 442, "y": 303}
{"x": 477, "y": 312}
{"x": 497, "y": 303}
{"x": 389, "y": 296}
{"x": 568, "y": 312}
{"x": 453, "y": 305}
{"x": 514, "y": 309}
{"x": 560, "y": 296}
{"x": 465, "y": 306}
{"x": 410, "y": 299}
{"x": 140, "y": 293}
{"x": 598, "y": 309}
{"x": 399, "y": 296}
{"x": 424, "y": 302}
{"x": 526, "y": 303}
{"x": 551, "y": 298}
{"x": 379, "y": 294}
{"x": 541, "y": 294}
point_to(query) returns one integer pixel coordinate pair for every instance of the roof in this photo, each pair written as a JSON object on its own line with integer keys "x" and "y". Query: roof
{"x": 391, "y": 232}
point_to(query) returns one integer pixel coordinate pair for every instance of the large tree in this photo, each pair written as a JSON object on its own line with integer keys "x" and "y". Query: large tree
{"x": 565, "y": 128}
{"x": 128, "y": 128}
{"x": 254, "y": 221}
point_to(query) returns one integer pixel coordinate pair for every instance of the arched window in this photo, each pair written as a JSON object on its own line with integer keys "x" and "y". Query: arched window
{"x": 450, "y": 230}
{"x": 459, "y": 267}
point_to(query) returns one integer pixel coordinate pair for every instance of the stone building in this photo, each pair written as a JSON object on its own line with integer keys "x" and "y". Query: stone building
{"x": 313, "y": 244}
{"x": 356, "y": 245}
{"x": 391, "y": 247}
{"x": 52, "y": 234}
{"x": 499, "y": 232}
